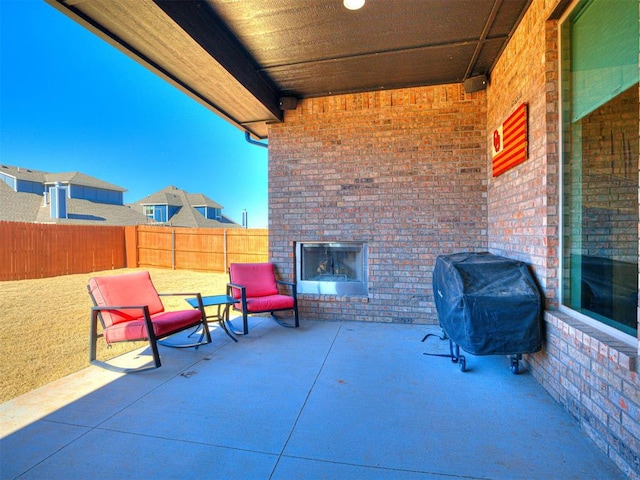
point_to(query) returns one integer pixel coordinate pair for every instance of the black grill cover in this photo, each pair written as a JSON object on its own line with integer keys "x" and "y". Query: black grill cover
{"x": 488, "y": 305}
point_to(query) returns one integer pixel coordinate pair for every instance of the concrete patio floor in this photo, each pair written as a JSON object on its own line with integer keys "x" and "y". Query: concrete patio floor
{"x": 330, "y": 400}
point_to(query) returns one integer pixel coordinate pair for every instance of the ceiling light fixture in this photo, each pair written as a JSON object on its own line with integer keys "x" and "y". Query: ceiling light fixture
{"x": 353, "y": 4}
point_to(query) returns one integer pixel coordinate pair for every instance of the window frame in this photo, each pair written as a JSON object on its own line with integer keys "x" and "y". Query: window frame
{"x": 592, "y": 322}
{"x": 148, "y": 211}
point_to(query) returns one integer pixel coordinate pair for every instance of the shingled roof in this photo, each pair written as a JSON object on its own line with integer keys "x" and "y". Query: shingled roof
{"x": 21, "y": 173}
{"x": 187, "y": 215}
{"x": 17, "y": 206}
{"x": 31, "y": 207}
{"x": 78, "y": 178}
{"x": 75, "y": 178}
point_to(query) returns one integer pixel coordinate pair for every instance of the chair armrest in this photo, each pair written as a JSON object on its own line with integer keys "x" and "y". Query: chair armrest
{"x": 198, "y": 296}
{"x": 243, "y": 290}
{"x": 117, "y": 307}
{"x": 291, "y": 285}
{"x": 179, "y": 294}
{"x": 243, "y": 294}
{"x": 95, "y": 311}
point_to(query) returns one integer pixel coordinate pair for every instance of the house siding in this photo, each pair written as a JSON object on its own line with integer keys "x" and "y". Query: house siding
{"x": 26, "y": 186}
{"x": 94, "y": 194}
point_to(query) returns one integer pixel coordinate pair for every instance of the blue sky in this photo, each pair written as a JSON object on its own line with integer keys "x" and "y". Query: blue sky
{"x": 71, "y": 102}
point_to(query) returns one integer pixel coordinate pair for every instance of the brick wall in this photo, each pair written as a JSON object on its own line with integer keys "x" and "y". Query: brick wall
{"x": 403, "y": 170}
{"x": 593, "y": 375}
{"x": 409, "y": 172}
{"x": 522, "y": 202}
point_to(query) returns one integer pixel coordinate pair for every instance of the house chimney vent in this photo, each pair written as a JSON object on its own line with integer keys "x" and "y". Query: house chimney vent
{"x": 58, "y": 200}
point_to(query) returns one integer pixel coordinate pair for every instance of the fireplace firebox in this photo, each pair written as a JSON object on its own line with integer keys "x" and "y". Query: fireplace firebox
{"x": 332, "y": 268}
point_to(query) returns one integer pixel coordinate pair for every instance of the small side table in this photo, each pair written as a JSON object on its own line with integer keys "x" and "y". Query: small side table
{"x": 223, "y": 302}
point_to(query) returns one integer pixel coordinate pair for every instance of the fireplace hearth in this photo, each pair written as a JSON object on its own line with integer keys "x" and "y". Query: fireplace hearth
{"x": 331, "y": 268}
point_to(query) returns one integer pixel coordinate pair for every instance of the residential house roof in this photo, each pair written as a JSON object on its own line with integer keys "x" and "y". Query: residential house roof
{"x": 19, "y": 206}
{"x": 30, "y": 207}
{"x": 78, "y": 178}
{"x": 75, "y": 178}
{"x": 187, "y": 215}
{"x": 176, "y": 197}
{"x": 22, "y": 173}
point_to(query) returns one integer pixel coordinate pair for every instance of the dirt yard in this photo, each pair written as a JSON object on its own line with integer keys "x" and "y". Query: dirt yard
{"x": 44, "y": 324}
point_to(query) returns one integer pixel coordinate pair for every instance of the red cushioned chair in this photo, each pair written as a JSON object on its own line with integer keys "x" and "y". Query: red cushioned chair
{"x": 255, "y": 285}
{"x": 130, "y": 309}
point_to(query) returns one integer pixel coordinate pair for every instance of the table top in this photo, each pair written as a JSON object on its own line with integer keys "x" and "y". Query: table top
{"x": 212, "y": 300}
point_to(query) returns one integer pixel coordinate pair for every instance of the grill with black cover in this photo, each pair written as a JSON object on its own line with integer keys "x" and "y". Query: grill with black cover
{"x": 487, "y": 305}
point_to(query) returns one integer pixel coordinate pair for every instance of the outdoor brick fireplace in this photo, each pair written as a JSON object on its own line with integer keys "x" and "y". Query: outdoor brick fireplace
{"x": 400, "y": 173}
{"x": 332, "y": 268}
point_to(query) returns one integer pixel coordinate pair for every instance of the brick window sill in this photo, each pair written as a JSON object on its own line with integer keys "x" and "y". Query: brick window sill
{"x": 588, "y": 338}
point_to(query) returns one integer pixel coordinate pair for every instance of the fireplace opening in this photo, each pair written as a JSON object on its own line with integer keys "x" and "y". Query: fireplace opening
{"x": 332, "y": 268}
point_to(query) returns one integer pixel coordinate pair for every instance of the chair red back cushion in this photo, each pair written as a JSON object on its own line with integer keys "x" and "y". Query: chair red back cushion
{"x": 258, "y": 278}
{"x": 122, "y": 290}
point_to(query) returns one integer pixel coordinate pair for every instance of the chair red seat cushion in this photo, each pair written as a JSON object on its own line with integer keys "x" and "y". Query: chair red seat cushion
{"x": 267, "y": 304}
{"x": 163, "y": 324}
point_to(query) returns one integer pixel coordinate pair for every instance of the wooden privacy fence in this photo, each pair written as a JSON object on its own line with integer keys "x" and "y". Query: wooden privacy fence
{"x": 206, "y": 249}
{"x": 37, "y": 250}
{"x": 33, "y": 250}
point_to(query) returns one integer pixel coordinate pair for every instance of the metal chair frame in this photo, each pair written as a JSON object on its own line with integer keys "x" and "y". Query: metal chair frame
{"x": 243, "y": 302}
{"x": 152, "y": 338}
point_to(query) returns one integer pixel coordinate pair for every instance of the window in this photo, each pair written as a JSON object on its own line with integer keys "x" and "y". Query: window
{"x": 600, "y": 119}
{"x": 156, "y": 213}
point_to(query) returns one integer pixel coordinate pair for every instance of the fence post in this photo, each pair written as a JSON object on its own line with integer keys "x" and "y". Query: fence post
{"x": 224, "y": 242}
{"x": 173, "y": 249}
{"x": 131, "y": 245}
